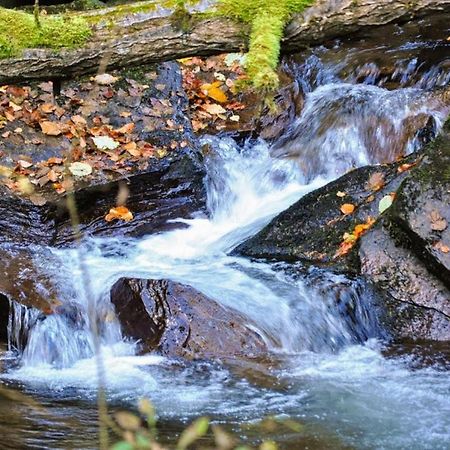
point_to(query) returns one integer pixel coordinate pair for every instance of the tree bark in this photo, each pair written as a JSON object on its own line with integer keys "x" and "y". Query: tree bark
{"x": 140, "y": 38}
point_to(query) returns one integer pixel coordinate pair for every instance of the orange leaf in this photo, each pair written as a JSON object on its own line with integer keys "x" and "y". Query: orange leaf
{"x": 120, "y": 213}
{"x": 347, "y": 208}
{"x": 442, "y": 247}
{"x": 50, "y": 128}
{"x": 405, "y": 167}
{"x": 128, "y": 128}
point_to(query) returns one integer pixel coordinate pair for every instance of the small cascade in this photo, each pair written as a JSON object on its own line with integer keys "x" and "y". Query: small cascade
{"x": 343, "y": 126}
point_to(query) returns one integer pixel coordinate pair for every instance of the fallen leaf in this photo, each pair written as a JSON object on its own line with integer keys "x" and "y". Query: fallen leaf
{"x": 347, "y": 208}
{"x": 105, "y": 79}
{"x": 385, "y": 203}
{"x": 214, "y": 109}
{"x": 438, "y": 223}
{"x": 105, "y": 143}
{"x": 37, "y": 200}
{"x": 442, "y": 247}
{"x": 406, "y": 166}
{"x": 128, "y": 128}
{"x": 50, "y": 128}
{"x": 80, "y": 169}
{"x": 340, "y": 194}
{"x": 120, "y": 213}
{"x": 213, "y": 91}
{"x": 24, "y": 164}
{"x": 47, "y": 108}
{"x": 375, "y": 181}
{"x": 132, "y": 149}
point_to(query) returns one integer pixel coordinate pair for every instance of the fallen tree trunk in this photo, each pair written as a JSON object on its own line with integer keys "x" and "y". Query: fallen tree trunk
{"x": 135, "y": 39}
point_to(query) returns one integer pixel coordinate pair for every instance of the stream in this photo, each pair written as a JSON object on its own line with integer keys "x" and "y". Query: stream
{"x": 340, "y": 379}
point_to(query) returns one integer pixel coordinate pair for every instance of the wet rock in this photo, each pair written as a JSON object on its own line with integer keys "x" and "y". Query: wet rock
{"x": 421, "y": 211}
{"x": 177, "y": 320}
{"x": 157, "y": 188}
{"x": 312, "y": 229}
{"x": 416, "y": 302}
{"x": 405, "y": 255}
{"x": 23, "y": 277}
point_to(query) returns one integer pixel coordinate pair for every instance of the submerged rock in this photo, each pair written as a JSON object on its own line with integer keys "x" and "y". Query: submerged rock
{"x": 177, "y": 320}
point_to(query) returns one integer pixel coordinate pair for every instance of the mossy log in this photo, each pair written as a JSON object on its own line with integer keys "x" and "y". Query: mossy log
{"x": 120, "y": 38}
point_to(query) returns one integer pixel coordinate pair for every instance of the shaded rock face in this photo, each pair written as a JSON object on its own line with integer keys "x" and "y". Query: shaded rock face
{"x": 312, "y": 229}
{"x": 158, "y": 189}
{"x": 23, "y": 277}
{"x": 177, "y": 320}
{"x": 417, "y": 303}
{"x": 406, "y": 254}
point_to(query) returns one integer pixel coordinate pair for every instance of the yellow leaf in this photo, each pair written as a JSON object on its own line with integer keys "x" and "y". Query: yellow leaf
{"x": 213, "y": 91}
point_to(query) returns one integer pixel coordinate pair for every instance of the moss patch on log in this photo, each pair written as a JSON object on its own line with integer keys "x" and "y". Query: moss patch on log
{"x": 18, "y": 31}
{"x": 268, "y": 19}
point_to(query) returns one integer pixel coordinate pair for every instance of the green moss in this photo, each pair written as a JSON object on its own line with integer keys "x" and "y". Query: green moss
{"x": 268, "y": 19}
{"x": 18, "y": 31}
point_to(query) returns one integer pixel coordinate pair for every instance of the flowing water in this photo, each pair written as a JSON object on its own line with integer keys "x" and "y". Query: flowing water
{"x": 330, "y": 373}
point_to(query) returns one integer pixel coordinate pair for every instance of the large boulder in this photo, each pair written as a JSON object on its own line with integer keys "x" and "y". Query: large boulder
{"x": 312, "y": 229}
{"x": 406, "y": 254}
{"x": 177, "y": 320}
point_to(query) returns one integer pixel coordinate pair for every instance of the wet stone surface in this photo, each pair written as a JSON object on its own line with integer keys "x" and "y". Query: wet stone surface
{"x": 176, "y": 320}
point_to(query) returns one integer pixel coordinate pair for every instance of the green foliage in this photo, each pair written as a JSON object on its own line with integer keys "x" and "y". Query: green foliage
{"x": 268, "y": 19}
{"x": 18, "y": 31}
{"x": 138, "y": 434}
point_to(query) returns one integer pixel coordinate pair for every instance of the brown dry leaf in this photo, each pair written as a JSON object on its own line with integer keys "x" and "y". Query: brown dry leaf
{"x": 375, "y": 181}
{"x": 37, "y": 200}
{"x": 78, "y": 120}
{"x": 52, "y": 176}
{"x": 50, "y": 128}
{"x": 438, "y": 223}
{"x": 128, "y": 128}
{"x": 105, "y": 79}
{"x": 214, "y": 109}
{"x": 132, "y": 149}
{"x": 120, "y": 213}
{"x": 347, "y": 208}
{"x": 47, "y": 108}
{"x": 442, "y": 247}
{"x": 24, "y": 164}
